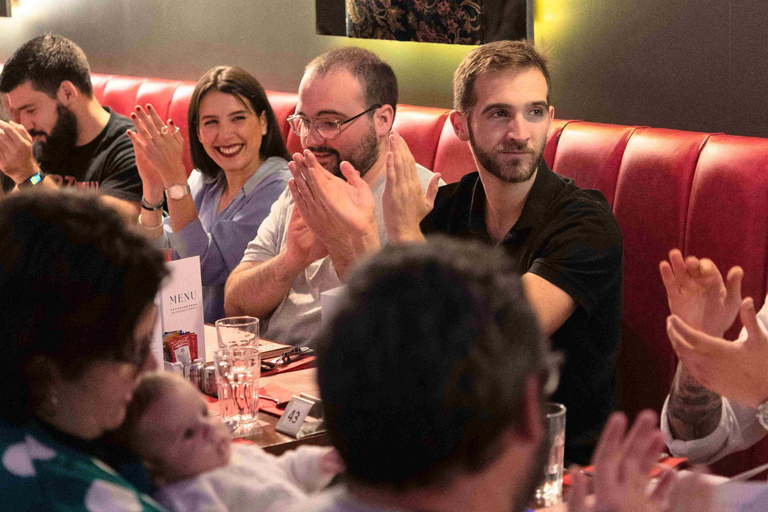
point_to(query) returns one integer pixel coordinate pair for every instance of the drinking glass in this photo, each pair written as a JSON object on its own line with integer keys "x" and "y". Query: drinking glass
{"x": 237, "y": 381}
{"x": 550, "y": 490}
{"x": 238, "y": 331}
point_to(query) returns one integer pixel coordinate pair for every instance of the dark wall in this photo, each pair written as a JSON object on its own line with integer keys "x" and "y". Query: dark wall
{"x": 687, "y": 64}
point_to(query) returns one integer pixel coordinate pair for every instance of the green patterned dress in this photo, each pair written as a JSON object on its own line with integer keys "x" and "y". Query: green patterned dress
{"x": 37, "y": 473}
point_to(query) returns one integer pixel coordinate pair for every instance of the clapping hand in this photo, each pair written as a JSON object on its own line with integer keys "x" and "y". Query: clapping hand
{"x": 736, "y": 370}
{"x": 159, "y": 149}
{"x": 403, "y": 202}
{"x": 697, "y": 294}
{"x": 303, "y": 247}
{"x": 16, "y": 159}
{"x": 333, "y": 208}
{"x": 622, "y": 468}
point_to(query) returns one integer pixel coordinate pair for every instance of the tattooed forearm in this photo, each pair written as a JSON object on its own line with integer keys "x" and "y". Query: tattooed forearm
{"x": 694, "y": 411}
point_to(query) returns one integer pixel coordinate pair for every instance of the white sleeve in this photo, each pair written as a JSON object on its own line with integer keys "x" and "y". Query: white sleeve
{"x": 738, "y": 428}
{"x": 268, "y": 241}
{"x": 302, "y": 466}
{"x": 193, "y": 494}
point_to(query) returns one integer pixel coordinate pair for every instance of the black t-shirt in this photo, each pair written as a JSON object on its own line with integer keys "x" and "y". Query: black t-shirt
{"x": 569, "y": 237}
{"x": 107, "y": 163}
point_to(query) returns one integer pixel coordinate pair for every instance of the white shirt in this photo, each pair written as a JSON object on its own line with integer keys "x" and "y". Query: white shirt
{"x": 738, "y": 428}
{"x": 297, "y": 318}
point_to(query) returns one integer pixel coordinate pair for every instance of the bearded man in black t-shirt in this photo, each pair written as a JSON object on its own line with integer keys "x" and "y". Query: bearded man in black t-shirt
{"x": 565, "y": 240}
{"x": 62, "y": 136}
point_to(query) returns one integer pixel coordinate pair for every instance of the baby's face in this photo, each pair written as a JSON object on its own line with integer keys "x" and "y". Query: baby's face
{"x": 178, "y": 436}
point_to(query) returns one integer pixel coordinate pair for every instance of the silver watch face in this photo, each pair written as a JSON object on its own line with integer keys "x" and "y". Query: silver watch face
{"x": 762, "y": 414}
{"x": 177, "y": 191}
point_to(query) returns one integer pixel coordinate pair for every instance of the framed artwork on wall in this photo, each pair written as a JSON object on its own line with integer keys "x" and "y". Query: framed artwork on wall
{"x": 468, "y": 22}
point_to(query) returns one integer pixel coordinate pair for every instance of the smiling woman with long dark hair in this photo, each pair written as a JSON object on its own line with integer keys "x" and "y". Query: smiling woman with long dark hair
{"x": 241, "y": 169}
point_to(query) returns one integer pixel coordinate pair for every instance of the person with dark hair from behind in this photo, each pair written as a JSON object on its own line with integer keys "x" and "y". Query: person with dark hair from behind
{"x": 565, "y": 240}
{"x": 62, "y": 136}
{"x": 241, "y": 169}
{"x": 433, "y": 374}
{"x": 77, "y": 314}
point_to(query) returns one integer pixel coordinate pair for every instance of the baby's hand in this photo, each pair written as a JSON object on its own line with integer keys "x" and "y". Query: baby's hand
{"x": 331, "y": 463}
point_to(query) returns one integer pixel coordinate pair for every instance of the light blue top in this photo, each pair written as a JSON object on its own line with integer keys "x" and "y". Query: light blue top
{"x": 220, "y": 238}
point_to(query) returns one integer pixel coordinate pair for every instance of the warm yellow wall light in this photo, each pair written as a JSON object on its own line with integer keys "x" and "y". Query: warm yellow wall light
{"x": 548, "y": 19}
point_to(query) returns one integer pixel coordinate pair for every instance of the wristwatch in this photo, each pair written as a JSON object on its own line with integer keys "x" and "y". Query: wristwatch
{"x": 177, "y": 191}
{"x": 32, "y": 180}
{"x": 762, "y": 414}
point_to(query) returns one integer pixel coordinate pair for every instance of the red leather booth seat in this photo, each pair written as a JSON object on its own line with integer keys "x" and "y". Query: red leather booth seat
{"x": 704, "y": 193}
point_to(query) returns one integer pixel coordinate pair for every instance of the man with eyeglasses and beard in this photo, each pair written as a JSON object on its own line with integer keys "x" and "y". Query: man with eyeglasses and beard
{"x": 564, "y": 240}
{"x": 62, "y": 136}
{"x": 331, "y": 215}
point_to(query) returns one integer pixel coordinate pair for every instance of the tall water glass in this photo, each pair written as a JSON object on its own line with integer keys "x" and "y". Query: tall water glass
{"x": 238, "y": 331}
{"x": 237, "y": 381}
{"x": 550, "y": 490}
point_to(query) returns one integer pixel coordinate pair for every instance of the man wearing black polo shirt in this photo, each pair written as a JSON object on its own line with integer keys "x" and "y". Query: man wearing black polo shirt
{"x": 62, "y": 136}
{"x": 565, "y": 240}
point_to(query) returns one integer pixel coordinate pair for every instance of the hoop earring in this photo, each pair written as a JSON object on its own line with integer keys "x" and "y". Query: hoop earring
{"x": 49, "y": 408}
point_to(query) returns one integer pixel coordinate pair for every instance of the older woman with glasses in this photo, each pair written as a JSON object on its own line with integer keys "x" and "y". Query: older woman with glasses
{"x": 76, "y": 321}
{"x": 241, "y": 168}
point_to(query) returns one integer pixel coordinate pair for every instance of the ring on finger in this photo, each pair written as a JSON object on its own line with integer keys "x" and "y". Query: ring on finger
{"x": 164, "y": 130}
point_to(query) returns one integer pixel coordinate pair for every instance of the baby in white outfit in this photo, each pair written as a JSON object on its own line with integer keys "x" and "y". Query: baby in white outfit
{"x": 189, "y": 455}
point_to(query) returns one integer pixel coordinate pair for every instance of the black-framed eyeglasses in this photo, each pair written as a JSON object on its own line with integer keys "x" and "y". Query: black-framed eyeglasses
{"x": 326, "y": 127}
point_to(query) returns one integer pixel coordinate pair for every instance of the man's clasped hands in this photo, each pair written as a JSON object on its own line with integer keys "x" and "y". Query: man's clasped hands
{"x": 336, "y": 217}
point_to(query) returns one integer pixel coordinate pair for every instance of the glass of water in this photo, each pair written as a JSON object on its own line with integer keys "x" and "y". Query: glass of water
{"x": 550, "y": 490}
{"x": 237, "y": 381}
{"x": 238, "y": 331}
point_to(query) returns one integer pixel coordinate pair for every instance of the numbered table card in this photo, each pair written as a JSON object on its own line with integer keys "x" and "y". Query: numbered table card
{"x": 302, "y": 417}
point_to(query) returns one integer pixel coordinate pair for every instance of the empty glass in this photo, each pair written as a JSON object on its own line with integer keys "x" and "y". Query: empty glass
{"x": 238, "y": 331}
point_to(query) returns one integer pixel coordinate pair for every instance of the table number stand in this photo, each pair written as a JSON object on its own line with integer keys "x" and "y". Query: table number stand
{"x": 303, "y": 416}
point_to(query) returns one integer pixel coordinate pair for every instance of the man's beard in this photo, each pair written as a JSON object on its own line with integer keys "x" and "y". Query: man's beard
{"x": 62, "y": 139}
{"x": 362, "y": 158}
{"x": 534, "y": 478}
{"x": 516, "y": 171}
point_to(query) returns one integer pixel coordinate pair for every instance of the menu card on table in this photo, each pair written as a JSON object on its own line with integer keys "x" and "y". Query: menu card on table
{"x": 180, "y": 334}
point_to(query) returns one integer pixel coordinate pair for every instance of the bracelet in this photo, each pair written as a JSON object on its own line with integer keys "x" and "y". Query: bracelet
{"x": 149, "y": 206}
{"x": 151, "y": 228}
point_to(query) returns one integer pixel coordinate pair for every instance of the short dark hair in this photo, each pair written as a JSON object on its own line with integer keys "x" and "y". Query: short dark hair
{"x": 496, "y": 56}
{"x": 47, "y": 61}
{"x": 242, "y": 85}
{"x": 423, "y": 367}
{"x": 74, "y": 283}
{"x": 375, "y": 76}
